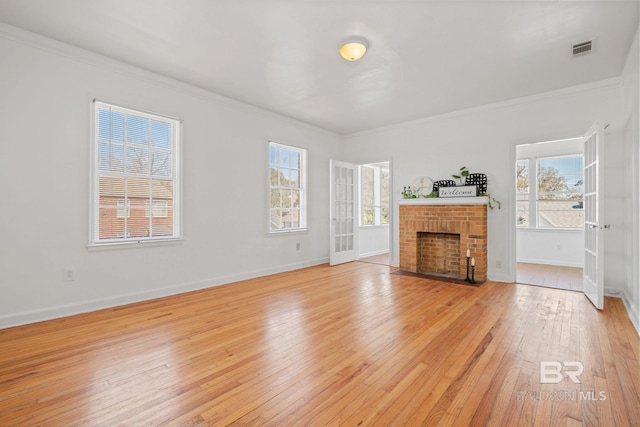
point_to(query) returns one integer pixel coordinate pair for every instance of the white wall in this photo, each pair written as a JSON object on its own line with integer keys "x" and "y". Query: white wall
{"x": 373, "y": 240}
{"x": 484, "y": 140}
{"x": 630, "y": 165}
{"x": 46, "y": 91}
{"x": 617, "y": 198}
{"x": 552, "y": 247}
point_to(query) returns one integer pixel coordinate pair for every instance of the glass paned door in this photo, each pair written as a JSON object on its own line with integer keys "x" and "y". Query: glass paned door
{"x": 593, "y": 283}
{"x": 343, "y": 229}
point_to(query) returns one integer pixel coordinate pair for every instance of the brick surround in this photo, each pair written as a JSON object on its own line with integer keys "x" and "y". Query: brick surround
{"x": 440, "y": 226}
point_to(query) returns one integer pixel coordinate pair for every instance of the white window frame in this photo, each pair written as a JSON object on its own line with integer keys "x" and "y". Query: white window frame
{"x": 377, "y": 196}
{"x": 175, "y": 176}
{"x": 528, "y": 192}
{"x": 302, "y": 224}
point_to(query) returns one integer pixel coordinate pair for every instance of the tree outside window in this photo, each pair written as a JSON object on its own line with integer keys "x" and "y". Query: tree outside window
{"x": 374, "y": 194}
{"x": 558, "y": 192}
{"x": 135, "y": 164}
{"x": 287, "y": 169}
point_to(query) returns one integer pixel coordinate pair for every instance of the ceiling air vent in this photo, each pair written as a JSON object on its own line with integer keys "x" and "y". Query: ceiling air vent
{"x": 582, "y": 48}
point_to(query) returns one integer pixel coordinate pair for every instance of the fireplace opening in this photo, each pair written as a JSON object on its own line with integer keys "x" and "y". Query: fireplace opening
{"x": 438, "y": 253}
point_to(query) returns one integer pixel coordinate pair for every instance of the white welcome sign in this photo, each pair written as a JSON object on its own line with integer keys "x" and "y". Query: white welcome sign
{"x": 464, "y": 191}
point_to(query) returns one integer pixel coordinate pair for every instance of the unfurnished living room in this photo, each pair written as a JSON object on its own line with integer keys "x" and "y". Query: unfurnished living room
{"x": 346, "y": 213}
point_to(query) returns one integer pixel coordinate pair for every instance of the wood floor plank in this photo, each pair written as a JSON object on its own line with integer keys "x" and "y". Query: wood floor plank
{"x": 347, "y": 345}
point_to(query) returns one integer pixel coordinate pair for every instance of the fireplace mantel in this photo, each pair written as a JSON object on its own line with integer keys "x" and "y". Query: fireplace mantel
{"x": 456, "y": 224}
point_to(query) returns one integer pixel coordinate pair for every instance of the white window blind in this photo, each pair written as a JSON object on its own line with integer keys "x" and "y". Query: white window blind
{"x": 135, "y": 176}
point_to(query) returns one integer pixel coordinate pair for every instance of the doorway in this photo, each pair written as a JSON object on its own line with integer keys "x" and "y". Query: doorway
{"x": 374, "y": 212}
{"x": 550, "y": 238}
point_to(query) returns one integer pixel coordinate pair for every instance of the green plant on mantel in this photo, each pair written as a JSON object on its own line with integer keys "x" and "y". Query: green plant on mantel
{"x": 462, "y": 175}
{"x": 491, "y": 201}
{"x": 464, "y": 172}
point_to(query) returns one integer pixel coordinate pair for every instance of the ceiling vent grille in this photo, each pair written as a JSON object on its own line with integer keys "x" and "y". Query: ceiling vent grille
{"x": 582, "y": 48}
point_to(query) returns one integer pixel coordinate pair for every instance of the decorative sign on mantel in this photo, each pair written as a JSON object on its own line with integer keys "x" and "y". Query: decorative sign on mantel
{"x": 463, "y": 191}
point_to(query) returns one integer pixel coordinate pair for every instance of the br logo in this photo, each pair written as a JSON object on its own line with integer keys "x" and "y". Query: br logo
{"x": 552, "y": 372}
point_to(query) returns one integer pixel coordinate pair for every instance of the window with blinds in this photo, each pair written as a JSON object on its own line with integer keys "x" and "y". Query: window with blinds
{"x": 135, "y": 176}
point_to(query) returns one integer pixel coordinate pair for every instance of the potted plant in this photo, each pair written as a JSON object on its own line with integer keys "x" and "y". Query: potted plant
{"x": 462, "y": 175}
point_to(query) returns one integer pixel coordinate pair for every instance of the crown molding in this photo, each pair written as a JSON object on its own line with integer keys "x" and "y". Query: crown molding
{"x": 86, "y": 57}
{"x": 613, "y": 82}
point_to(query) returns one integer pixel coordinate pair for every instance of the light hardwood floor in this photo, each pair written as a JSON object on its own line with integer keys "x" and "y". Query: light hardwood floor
{"x": 551, "y": 276}
{"x": 346, "y": 345}
{"x": 377, "y": 259}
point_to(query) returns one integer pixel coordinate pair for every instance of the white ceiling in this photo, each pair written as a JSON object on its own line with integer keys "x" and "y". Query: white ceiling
{"x": 425, "y": 57}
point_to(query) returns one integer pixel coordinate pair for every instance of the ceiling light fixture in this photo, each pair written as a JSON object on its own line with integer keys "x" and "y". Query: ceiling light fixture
{"x": 353, "y": 48}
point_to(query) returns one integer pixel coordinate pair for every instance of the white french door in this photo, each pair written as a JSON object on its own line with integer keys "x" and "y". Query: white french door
{"x": 593, "y": 283}
{"x": 343, "y": 234}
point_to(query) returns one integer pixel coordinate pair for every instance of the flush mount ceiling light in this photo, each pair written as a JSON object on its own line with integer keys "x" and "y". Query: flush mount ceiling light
{"x": 353, "y": 48}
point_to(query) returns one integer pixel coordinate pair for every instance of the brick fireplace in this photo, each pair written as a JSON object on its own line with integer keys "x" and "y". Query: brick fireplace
{"x": 436, "y": 233}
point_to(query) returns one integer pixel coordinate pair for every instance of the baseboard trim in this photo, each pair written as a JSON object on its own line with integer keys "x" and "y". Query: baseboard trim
{"x": 368, "y": 254}
{"x": 551, "y": 262}
{"x": 50, "y": 313}
{"x": 493, "y": 277}
{"x": 632, "y": 310}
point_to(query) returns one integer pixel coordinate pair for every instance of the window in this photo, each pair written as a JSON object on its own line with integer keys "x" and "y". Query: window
{"x": 374, "y": 195}
{"x": 522, "y": 193}
{"x": 287, "y": 177}
{"x": 135, "y": 176}
{"x": 557, "y": 202}
{"x": 560, "y": 192}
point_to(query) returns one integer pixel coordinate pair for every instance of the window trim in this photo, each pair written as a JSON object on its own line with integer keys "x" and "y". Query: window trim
{"x": 94, "y": 176}
{"x": 303, "y": 228}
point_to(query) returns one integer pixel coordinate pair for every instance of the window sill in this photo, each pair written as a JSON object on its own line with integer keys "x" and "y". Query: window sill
{"x": 287, "y": 232}
{"x": 132, "y": 244}
{"x": 371, "y": 227}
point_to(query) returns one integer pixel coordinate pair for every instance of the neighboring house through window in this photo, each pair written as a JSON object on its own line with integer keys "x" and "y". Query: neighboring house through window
{"x": 135, "y": 176}
{"x": 160, "y": 209}
{"x": 287, "y": 194}
{"x": 555, "y": 201}
{"x": 123, "y": 208}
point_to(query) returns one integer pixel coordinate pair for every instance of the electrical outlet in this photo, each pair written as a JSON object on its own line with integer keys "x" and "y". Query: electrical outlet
{"x": 297, "y": 246}
{"x": 498, "y": 264}
{"x": 68, "y": 274}
{"x": 558, "y": 247}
